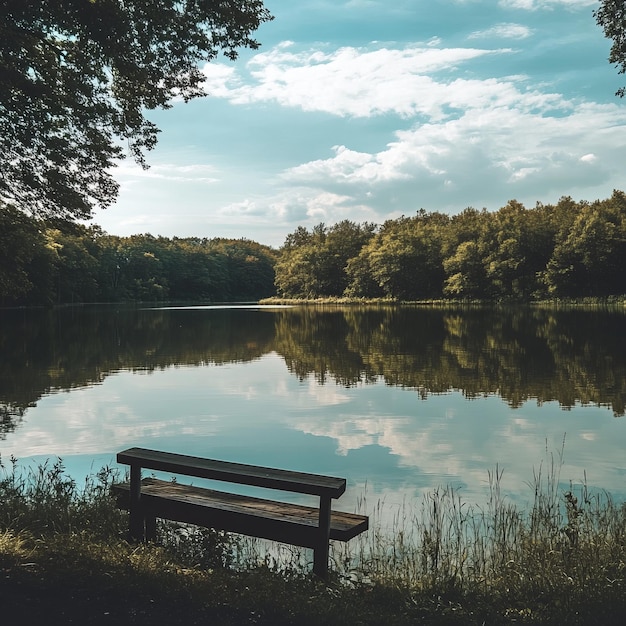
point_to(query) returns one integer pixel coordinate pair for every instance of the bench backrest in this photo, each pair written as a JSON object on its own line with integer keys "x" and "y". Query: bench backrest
{"x": 240, "y": 473}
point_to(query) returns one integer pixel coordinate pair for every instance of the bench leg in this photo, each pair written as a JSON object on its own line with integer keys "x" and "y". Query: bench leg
{"x": 150, "y": 527}
{"x": 137, "y": 524}
{"x": 320, "y": 552}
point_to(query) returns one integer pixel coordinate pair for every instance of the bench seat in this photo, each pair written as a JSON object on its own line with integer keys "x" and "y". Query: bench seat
{"x": 268, "y": 519}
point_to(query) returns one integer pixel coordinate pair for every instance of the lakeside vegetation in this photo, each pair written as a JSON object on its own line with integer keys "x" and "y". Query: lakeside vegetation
{"x": 445, "y": 561}
{"x": 571, "y": 250}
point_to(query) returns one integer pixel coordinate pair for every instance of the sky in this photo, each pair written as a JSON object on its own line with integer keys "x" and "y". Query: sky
{"x": 371, "y": 109}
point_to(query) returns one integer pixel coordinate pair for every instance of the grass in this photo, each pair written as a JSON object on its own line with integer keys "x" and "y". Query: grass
{"x": 585, "y": 302}
{"x": 63, "y": 557}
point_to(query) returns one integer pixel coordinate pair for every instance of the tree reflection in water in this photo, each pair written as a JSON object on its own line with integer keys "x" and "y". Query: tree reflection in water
{"x": 569, "y": 355}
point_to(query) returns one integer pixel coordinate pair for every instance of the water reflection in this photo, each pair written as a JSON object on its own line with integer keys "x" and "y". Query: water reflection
{"x": 568, "y": 356}
{"x": 398, "y": 399}
{"x": 565, "y": 355}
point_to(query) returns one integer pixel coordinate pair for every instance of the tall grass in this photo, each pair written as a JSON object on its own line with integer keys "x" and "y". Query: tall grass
{"x": 567, "y": 551}
{"x": 560, "y": 558}
{"x": 447, "y": 542}
{"x": 45, "y": 499}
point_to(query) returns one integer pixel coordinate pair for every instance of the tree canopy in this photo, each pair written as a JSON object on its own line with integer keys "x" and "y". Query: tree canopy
{"x": 571, "y": 250}
{"x": 65, "y": 262}
{"x": 76, "y": 77}
{"x": 611, "y": 16}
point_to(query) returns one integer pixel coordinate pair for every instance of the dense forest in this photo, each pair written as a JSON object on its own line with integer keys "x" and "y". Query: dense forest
{"x": 69, "y": 263}
{"x": 567, "y": 250}
{"x": 571, "y": 249}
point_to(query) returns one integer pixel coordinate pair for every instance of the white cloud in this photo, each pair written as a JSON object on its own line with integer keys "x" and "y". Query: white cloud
{"x": 504, "y": 30}
{"x": 482, "y": 140}
{"x": 243, "y": 208}
{"x": 496, "y": 133}
{"x": 347, "y": 81}
{"x": 589, "y": 158}
{"x": 129, "y": 171}
{"x": 516, "y": 143}
{"x": 529, "y": 5}
{"x": 349, "y": 166}
{"x": 298, "y": 203}
{"x": 217, "y": 77}
{"x": 534, "y": 5}
{"x": 309, "y": 205}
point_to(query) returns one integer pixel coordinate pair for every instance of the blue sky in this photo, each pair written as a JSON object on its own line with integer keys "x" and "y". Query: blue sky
{"x": 371, "y": 109}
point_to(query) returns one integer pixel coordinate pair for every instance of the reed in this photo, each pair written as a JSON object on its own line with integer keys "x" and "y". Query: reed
{"x": 564, "y": 556}
{"x": 45, "y": 499}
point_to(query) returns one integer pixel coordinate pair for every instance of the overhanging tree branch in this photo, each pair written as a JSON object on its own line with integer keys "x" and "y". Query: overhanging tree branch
{"x": 611, "y": 17}
{"x": 76, "y": 77}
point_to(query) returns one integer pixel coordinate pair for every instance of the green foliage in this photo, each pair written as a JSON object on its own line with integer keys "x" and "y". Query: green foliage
{"x": 314, "y": 264}
{"x": 77, "y": 77}
{"x": 404, "y": 259}
{"x": 76, "y": 266}
{"x": 466, "y": 272}
{"x": 70, "y": 263}
{"x": 25, "y": 259}
{"x": 559, "y": 561}
{"x": 518, "y": 246}
{"x": 589, "y": 256}
{"x": 463, "y": 252}
{"x": 566, "y": 250}
{"x": 611, "y": 17}
{"x": 249, "y": 268}
{"x": 194, "y": 546}
{"x": 45, "y": 500}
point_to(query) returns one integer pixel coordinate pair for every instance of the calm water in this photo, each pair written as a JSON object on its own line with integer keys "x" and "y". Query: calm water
{"x": 398, "y": 400}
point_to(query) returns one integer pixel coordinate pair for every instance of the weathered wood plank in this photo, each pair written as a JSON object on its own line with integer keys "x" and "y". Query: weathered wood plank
{"x": 285, "y": 480}
{"x": 269, "y": 519}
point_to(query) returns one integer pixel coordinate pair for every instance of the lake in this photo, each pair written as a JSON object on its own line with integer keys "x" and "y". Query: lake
{"x": 399, "y": 400}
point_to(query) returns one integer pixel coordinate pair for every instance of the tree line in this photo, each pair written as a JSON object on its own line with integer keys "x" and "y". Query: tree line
{"x": 567, "y": 250}
{"x": 43, "y": 263}
{"x": 570, "y": 249}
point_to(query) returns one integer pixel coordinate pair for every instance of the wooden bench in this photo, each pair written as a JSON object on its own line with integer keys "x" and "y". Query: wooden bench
{"x": 310, "y": 527}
